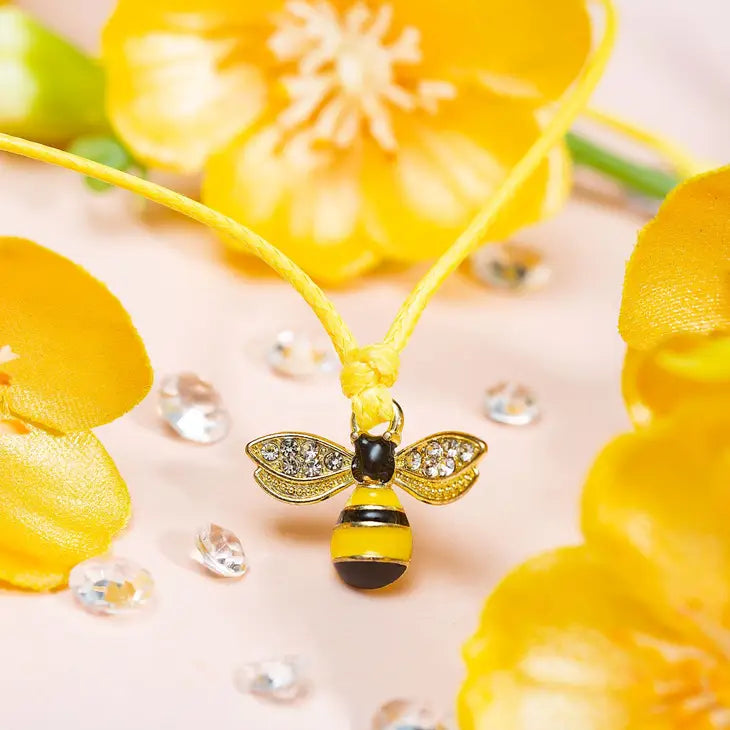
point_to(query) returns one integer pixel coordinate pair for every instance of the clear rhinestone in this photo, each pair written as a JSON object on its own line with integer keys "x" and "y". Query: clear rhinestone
{"x": 451, "y": 447}
{"x": 290, "y": 467}
{"x": 309, "y": 450}
{"x": 279, "y": 680}
{"x": 509, "y": 266}
{"x": 313, "y": 469}
{"x": 221, "y": 551}
{"x": 333, "y": 461}
{"x": 110, "y": 585}
{"x": 466, "y": 452}
{"x": 289, "y": 447}
{"x": 414, "y": 460}
{"x": 446, "y": 467}
{"x": 431, "y": 468}
{"x": 193, "y": 408}
{"x": 434, "y": 450}
{"x": 297, "y": 355}
{"x": 512, "y": 404}
{"x": 270, "y": 451}
{"x": 406, "y": 715}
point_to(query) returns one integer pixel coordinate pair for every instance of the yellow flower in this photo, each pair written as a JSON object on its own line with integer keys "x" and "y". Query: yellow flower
{"x": 70, "y": 360}
{"x": 347, "y": 132}
{"x": 675, "y": 315}
{"x": 630, "y": 631}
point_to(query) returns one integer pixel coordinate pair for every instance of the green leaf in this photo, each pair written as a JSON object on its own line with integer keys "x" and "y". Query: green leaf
{"x": 105, "y": 149}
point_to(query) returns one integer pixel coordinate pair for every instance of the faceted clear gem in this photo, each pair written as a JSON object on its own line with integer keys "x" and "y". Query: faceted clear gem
{"x": 509, "y": 266}
{"x": 512, "y": 404}
{"x": 221, "y": 551}
{"x": 289, "y": 447}
{"x": 406, "y": 715}
{"x": 270, "y": 451}
{"x": 278, "y": 680}
{"x": 431, "y": 468}
{"x": 434, "y": 450}
{"x": 309, "y": 450}
{"x": 414, "y": 460}
{"x": 466, "y": 452}
{"x": 290, "y": 467}
{"x": 451, "y": 447}
{"x": 313, "y": 469}
{"x": 446, "y": 467}
{"x": 334, "y": 461}
{"x": 110, "y": 585}
{"x": 193, "y": 408}
{"x": 297, "y": 355}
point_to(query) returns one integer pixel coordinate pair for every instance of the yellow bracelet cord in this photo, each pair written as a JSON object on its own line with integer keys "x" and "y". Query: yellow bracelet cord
{"x": 682, "y": 161}
{"x": 369, "y": 372}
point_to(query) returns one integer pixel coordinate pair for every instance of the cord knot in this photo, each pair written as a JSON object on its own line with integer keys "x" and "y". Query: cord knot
{"x": 367, "y": 376}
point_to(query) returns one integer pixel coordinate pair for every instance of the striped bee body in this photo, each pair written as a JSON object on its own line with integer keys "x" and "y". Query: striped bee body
{"x": 371, "y": 543}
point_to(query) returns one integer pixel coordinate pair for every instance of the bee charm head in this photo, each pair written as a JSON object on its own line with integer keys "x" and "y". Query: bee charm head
{"x": 371, "y": 542}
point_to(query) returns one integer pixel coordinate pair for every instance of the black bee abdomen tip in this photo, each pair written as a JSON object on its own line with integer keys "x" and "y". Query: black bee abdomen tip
{"x": 369, "y": 574}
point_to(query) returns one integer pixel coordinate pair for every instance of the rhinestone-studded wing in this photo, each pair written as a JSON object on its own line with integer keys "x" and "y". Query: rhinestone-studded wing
{"x": 299, "y": 467}
{"x": 440, "y": 468}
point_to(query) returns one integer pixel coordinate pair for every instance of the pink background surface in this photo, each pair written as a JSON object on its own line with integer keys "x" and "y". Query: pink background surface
{"x": 172, "y": 666}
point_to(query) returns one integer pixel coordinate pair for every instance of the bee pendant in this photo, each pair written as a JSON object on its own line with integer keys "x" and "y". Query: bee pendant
{"x": 371, "y": 543}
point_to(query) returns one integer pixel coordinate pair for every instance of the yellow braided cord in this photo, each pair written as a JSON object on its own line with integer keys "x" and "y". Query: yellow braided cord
{"x": 246, "y": 239}
{"x": 683, "y": 162}
{"x": 369, "y": 372}
{"x": 474, "y": 236}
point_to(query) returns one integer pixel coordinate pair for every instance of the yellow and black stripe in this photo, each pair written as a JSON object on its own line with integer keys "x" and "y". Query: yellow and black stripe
{"x": 372, "y": 543}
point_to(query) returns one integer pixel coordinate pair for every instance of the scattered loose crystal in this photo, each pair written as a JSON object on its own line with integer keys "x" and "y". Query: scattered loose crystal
{"x": 221, "y": 551}
{"x": 110, "y": 585}
{"x": 333, "y": 461}
{"x": 193, "y": 408}
{"x": 406, "y": 715}
{"x": 278, "y": 680}
{"x": 297, "y": 355}
{"x": 512, "y": 404}
{"x": 509, "y": 266}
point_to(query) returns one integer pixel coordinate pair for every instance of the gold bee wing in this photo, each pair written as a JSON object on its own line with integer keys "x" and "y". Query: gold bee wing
{"x": 441, "y": 468}
{"x": 300, "y": 468}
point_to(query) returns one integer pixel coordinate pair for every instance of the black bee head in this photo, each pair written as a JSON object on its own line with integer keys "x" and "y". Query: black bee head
{"x": 374, "y": 460}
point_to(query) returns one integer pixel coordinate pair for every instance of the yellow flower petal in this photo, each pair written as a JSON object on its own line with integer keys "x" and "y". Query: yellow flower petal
{"x": 557, "y": 647}
{"x": 315, "y": 216}
{"x": 340, "y": 219}
{"x": 182, "y": 76}
{"x": 678, "y": 278}
{"x": 80, "y": 362}
{"x": 682, "y": 369}
{"x": 657, "y": 507}
{"x": 61, "y": 501}
{"x": 447, "y": 167}
{"x": 519, "y": 48}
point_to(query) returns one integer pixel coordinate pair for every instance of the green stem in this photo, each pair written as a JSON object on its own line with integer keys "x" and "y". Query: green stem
{"x": 640, "y": 179}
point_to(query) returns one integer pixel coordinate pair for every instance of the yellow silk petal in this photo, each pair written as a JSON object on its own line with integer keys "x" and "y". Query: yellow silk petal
{"x": 61, "y": 501}
{"x": 183, "y": 77}
{"x": 315, "y": 216}
{"x": 678, "y": 278}
{"x": 80, "y": 361}
{"x": 682, "y": 369}
{"x": 558, "y": 647}
{"x": 529, "y": 49}
{"x": 448, "y": 165}
{"x": 657, "y": 508}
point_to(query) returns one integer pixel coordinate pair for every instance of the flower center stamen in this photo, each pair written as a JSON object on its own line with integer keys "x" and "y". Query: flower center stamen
{"x": 348, "y": 76}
